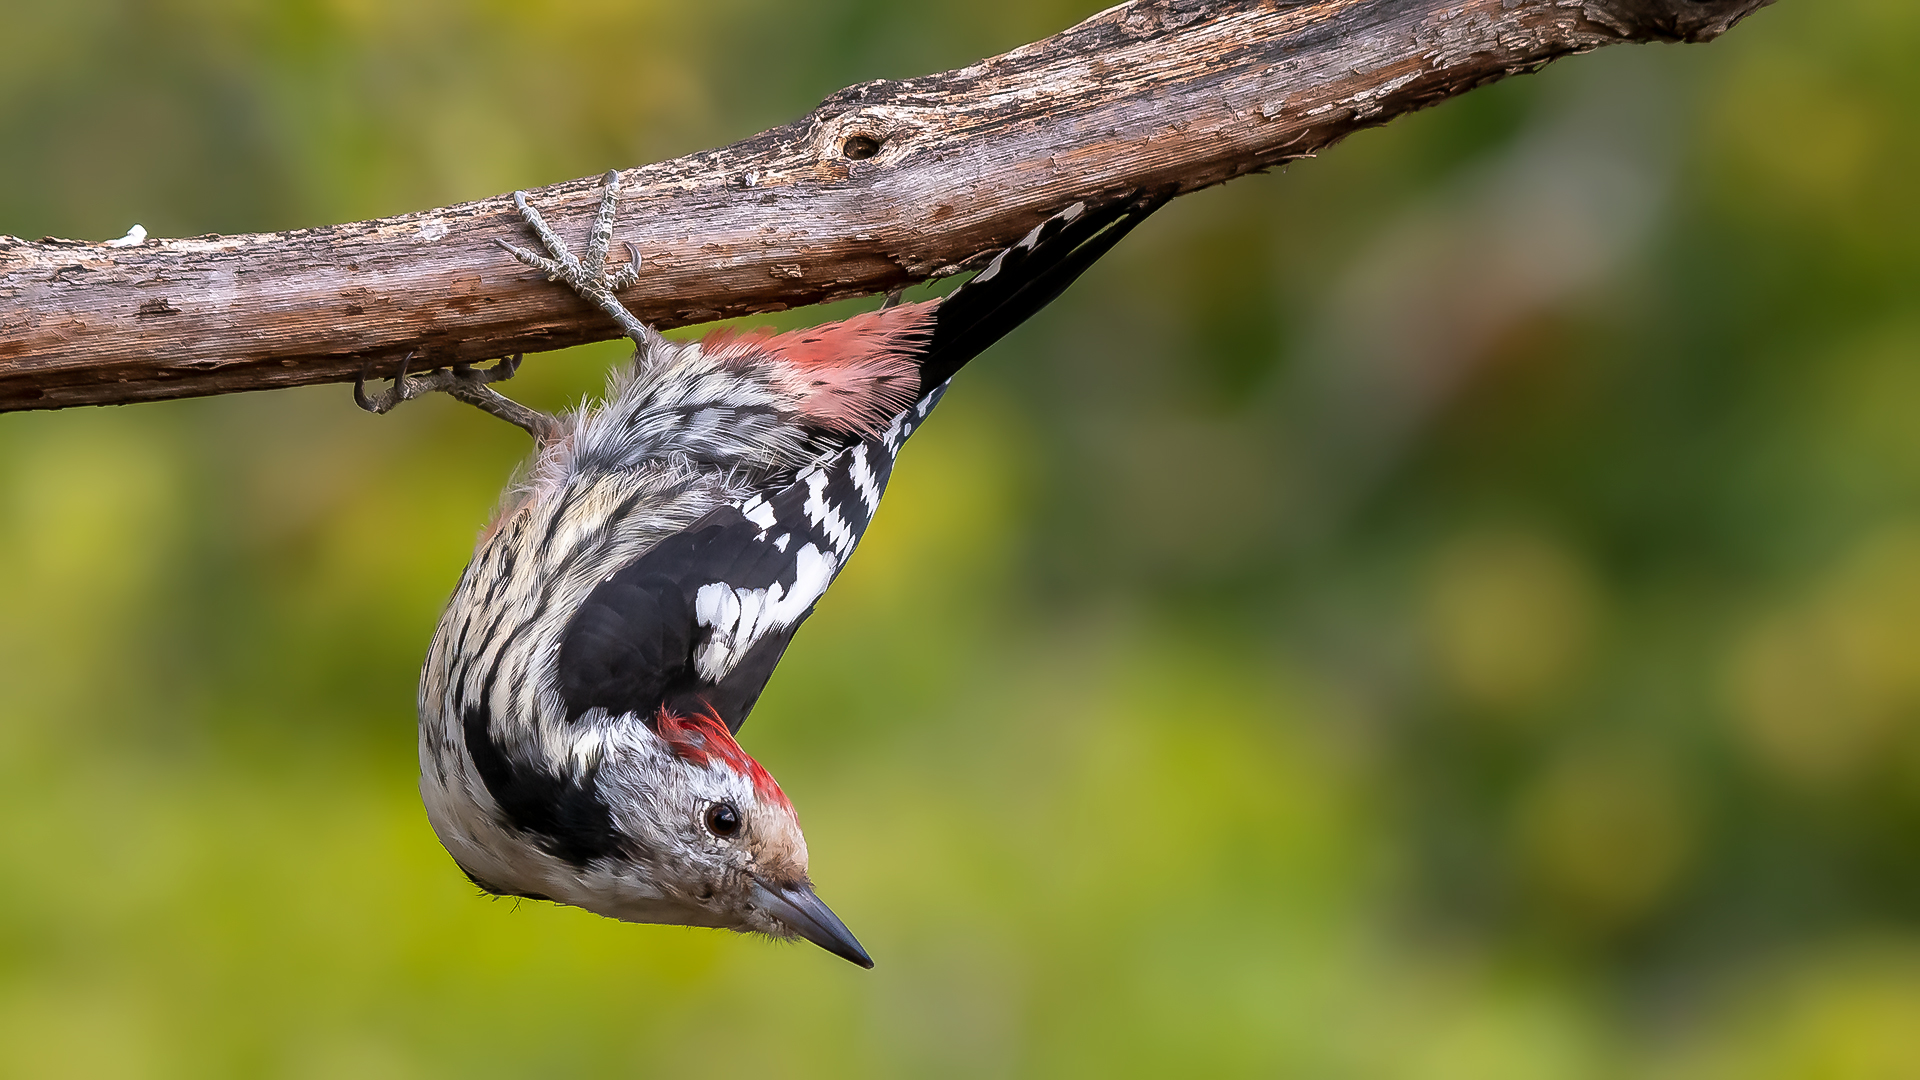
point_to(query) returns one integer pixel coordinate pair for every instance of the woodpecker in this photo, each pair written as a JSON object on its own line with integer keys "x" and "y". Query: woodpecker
{"x": 623, "y": 611}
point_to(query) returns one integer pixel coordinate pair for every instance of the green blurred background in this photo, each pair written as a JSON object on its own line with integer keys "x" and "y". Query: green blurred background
{"x": 1446, "y": 610}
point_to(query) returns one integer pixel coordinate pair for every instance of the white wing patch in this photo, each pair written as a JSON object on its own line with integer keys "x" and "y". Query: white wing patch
{"x": 759, "y": 511}
{"x": 864, "y": 481}
{"x": 824, "y": 514}
{"x": 739, "y": 618}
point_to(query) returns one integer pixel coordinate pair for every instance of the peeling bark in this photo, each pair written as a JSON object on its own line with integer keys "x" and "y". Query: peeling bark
{"x": 886, "y": 183}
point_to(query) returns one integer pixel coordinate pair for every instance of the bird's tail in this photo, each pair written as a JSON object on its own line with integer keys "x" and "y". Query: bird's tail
{"x": 1025, "y": 278}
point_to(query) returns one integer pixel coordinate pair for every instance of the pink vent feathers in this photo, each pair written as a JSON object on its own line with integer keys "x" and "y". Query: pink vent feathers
{"x": 853, "y": 375}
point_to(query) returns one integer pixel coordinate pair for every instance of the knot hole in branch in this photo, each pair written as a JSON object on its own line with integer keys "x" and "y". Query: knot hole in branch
{"x": 859, "y": 147}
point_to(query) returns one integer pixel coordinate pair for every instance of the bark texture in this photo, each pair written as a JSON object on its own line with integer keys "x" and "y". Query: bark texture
{"x": 884, "y": 184}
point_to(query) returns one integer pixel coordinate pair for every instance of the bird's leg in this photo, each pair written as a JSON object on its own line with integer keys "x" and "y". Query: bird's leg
{"x": 468, "y": 384}
{"x": 588, "y": 275}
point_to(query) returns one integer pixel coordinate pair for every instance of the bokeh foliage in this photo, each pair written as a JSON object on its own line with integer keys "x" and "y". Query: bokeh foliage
{"x": 1447, "y": 609}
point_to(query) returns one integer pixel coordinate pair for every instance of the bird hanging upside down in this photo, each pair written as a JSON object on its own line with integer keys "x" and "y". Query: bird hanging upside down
{"x": 620, "y": 617}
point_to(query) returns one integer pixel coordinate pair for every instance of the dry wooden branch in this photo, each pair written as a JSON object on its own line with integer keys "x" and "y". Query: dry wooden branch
{"x": 884, "y": 184}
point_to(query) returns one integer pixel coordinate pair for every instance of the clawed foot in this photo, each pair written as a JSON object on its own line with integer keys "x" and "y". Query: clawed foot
{"x": 587, "y": 275}
{"x": 462, "y": 381}
{"x": 406, "y": 388}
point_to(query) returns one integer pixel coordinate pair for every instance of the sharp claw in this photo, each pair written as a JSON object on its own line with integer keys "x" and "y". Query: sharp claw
{"x": 360, "y": 391}
{"x": 628, "y": 274}
{"x": 382, "y": 404}
{"x": 402, "y": 388}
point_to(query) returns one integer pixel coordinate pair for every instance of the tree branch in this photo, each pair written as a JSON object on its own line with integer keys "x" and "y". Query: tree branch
{"x": 884, "y": 184}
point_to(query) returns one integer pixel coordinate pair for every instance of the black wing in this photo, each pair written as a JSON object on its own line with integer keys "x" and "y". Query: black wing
{"x": 700, "y": 620}
{"x": 630, "y": 647}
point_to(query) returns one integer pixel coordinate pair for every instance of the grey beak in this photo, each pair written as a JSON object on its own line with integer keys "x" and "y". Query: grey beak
{"x": 803, "y": 912}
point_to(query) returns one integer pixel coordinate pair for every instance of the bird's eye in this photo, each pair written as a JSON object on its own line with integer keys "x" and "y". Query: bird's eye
{"x": 723, "y": 820}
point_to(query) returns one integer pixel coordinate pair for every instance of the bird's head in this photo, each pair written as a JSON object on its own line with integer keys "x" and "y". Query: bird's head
{"x": 661, "y": 822}
{"x": 708, "y": 839}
